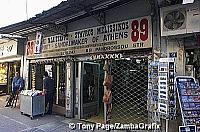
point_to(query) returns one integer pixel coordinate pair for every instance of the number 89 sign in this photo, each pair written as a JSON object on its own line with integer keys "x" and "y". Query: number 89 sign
{"x": 141, "y": 32}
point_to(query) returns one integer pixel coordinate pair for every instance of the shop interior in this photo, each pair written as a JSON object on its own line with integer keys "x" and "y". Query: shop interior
{"x": 7, "y": 72}
{"x": 193, "y": 63}
{"x": 57, "y": 72}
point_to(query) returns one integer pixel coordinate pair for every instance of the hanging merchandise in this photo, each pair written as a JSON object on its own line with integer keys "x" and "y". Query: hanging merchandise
{"x": 108, "y": 80}
{"x": 153, "y": 91}
{"x": 189, "y": 100}
{"x": 167, "y": 92}
{"x": 153, "y": 80}
{"x": 107, "y": 97}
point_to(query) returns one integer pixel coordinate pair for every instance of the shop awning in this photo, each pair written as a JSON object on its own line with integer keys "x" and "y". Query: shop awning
{"x": 60, "y": 15}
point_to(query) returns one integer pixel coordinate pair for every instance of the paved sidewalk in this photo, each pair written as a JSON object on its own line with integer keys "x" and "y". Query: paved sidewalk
{"x": 11, "y": 120}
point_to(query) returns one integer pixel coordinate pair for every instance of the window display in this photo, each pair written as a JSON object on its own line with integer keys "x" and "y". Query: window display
{"x": 3, "y": 73}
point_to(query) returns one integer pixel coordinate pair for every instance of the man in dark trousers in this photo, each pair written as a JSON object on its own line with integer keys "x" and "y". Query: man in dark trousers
{"x": 17, "y": 86}
{"x": 49, "y": 90}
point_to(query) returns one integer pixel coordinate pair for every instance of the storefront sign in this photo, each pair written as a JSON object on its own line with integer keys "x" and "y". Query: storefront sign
{"x": 125, "y": 35}
{"x": 8, "y": 49}
{"x": 106, "y": 56}
{"x": 38, "y": 43}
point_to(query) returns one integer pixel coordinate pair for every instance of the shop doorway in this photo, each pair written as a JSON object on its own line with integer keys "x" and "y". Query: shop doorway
{"x": 60, "y": 84}
{"x": 91, "y": 91}
{"x": 192, "y": 63}
{"x": 57, "y": 72}
{"x": 13, "y": 67}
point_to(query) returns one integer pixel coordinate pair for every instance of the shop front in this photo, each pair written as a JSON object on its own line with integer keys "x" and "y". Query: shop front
{"x": 80, "y": 62}
{"x": 123, "y": 54}
{"x": 129, "y": 88}
{"x": 57, "y": 71}
{"x": 181, "y": 42}
{"x": 185, "y": 51}
{"x": 55, "y": 64}
{"x": 11, "y": 61}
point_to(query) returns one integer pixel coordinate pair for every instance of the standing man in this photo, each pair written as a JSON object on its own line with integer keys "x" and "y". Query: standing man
{"x": 49, "y": 90}
{"x": 17, "y": 86}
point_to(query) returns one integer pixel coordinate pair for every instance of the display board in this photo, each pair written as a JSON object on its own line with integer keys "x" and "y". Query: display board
{"x": 166, "y": 89}
{"x": 189, "y": 98}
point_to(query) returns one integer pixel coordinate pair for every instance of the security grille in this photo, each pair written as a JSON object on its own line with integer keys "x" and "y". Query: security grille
{"x": 129, "y": 90}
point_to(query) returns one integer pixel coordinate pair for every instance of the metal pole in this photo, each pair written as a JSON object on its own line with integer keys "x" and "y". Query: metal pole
{"x": 57, "y": 84}
{"x": 167, "y": 123}
{"x": 105, "y": 106}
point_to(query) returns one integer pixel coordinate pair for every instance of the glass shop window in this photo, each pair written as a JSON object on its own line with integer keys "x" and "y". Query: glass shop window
{"x": 3, "y": 73}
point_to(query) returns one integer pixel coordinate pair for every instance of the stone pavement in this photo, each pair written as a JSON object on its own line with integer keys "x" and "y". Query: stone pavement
{"x": 11, "y": 120}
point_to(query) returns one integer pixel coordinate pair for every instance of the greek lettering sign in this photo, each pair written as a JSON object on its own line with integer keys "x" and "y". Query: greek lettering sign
{"x": 38, "y": 43}
{"x": 8, "y": 49}
{"x": 125, "y": 35}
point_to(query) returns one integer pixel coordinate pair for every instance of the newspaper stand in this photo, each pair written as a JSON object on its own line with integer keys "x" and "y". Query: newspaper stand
{"x": 32, "y": 105}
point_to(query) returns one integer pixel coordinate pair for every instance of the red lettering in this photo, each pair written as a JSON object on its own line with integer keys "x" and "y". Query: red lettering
{"x": 144, "y": 29}
{"x": 139, "y": 30}
{"x": 135, "y": 32}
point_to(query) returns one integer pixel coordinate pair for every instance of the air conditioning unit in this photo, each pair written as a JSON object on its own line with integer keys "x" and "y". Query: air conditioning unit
{"x": 180, "y": 19}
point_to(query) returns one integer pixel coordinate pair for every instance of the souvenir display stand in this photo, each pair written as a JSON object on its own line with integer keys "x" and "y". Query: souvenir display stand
{"x": 166, "y": 89}
{"x": 189, "y": 100}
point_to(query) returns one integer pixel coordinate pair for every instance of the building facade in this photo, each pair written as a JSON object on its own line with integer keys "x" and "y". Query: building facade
{"x": 179, "y": 25}
{"x": 119, "y": 38}
{"x": 76, "y": 61}
{"x": 11, "y": 61}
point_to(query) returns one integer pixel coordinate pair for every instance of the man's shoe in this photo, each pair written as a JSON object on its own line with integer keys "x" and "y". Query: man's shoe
{"x": 7, "y": 106}
{"x": 49, "y": 112}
